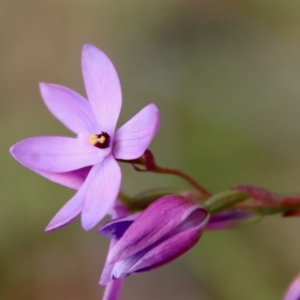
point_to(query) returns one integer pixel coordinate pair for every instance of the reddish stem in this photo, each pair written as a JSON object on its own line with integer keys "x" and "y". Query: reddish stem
{"x": 289, "y": 203}
{"x": 148, "y": 162}
{"x": 184, "y": 176}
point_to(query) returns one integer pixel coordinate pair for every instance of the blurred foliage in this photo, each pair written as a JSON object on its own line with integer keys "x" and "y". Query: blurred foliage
{"x": 225, "y": 76}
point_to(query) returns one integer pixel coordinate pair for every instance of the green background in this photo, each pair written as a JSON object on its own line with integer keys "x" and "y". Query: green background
{"x": 225, "y": 76}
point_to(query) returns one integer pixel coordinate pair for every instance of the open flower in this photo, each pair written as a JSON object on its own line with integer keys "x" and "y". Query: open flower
{"x": 165, "y": 230}
{"x": 88, "y": 162}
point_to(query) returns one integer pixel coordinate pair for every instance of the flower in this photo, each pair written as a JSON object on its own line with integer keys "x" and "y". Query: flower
{"x": 88, "y": 162}
{"x": 165, "y": 230}
{"x": 293, "y": 292}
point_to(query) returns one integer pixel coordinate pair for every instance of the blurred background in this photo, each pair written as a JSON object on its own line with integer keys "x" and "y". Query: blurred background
{"x": 225, "y": 75}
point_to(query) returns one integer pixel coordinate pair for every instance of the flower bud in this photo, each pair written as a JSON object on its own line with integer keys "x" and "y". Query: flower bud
{"x": 165, "y": 230}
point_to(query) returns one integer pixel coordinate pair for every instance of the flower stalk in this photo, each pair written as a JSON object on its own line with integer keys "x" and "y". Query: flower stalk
{"x": 149, "y": 164}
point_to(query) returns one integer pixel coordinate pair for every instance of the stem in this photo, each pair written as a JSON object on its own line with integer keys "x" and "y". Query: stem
{"x": 113, "y": 289}
{"x": 184, "y": 176}
{"x": 148, "y": 161}
{"x": 225, "y": 200}
{"x": 255, "y": 205}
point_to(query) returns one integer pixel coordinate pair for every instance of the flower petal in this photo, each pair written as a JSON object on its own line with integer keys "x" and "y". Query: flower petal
{"x": 163, "y": 251}
{"x": 167, "y": 250}
{"x": 106, "y": 275}
{"x": 69, "y": 107}
{"x": 101, "y": 193}
{"x": 74, "y": 206}
{"x": 134, "y": 137}
{"x": 121, "y": 269}
{"x": 115, "y": 229}
{"x": 102, "y": 87}
{"x": 56, "y": 154}
{"x": 293, "y": 292}
{"x": 158, "y": 221}
{"x": 118, "y": 211}
{"x": 68, "y": 212}
{"x": 73, "y": 179}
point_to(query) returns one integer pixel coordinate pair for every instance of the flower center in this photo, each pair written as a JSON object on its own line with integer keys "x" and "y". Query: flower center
{"x": 100, "y": 140}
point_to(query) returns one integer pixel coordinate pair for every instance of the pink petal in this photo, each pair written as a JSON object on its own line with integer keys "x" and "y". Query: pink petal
{"x": 57, "y": 154}
{"x": 165, "y": 249}
{"x": 168, "y": 250}
{"x": 105, "y": 277}
{"x": 69, "y": 211}
{"x": 73, "y": 179}
{"x": 115, "y": 228}
{"x": 152, "y": 225}
{"x": 134, "y": 137}
{"x": 74, "y": 206}
{"x": 118, "y": 211}
{"x": 101, "y": 193}
{"x": 293, "y": 292}
{"x": 69, "y": 107}
{"x": 102, "y": 87}
{"x": 121, "y": 269}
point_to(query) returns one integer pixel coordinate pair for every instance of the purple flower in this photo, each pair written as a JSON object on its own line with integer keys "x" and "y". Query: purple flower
{"x": 165, "y": 230}
{"x": 293, "y": 292}
{"x": 88, "y": 162}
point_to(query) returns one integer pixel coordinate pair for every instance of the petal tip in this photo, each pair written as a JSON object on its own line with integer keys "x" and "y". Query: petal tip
{"x": 154, "y": 106}
{"x": 44, "y": 86}
{"x": 91, "y": 52}
{"x": 53, "y": 225}
{"x": 88, "y": 221}
{"x": 87, "y": 224}
{"x": 87, "y": 45}
{"x": 87, "y": 48}
{"x": 14, "y": 149}
{"x": 50, "y": 227}
{"x": 11, "y": 150}
{"x": 102, "y": 283}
